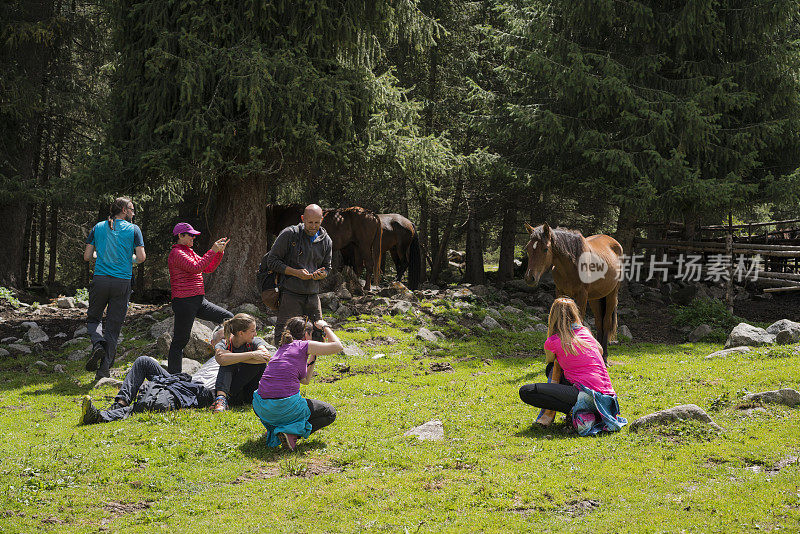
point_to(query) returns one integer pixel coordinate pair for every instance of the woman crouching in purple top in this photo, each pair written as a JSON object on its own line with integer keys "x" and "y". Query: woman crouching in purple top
{"x": 277, "y": 402}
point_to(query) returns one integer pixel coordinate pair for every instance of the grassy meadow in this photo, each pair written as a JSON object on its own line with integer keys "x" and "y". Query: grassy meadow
{"x": 193, "y": 471}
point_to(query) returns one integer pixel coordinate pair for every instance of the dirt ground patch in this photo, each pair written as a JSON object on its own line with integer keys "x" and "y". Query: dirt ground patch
{"x": 116, "y": 508}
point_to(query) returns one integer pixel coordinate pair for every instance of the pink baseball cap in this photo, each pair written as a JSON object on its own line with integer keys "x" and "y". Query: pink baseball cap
{"x": 184, "y": 228}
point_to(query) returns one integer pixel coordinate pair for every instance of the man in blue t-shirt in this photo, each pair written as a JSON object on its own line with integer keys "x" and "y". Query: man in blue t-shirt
{"x": 117, "y": 244}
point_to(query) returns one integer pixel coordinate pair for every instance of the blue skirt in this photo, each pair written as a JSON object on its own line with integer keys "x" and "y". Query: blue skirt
{"x": 289, "y": 415}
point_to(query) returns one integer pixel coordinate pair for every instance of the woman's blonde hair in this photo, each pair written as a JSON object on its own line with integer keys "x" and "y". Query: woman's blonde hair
{"x": 238, "y": 323}
{"x": 563, "y": 314}
{"x": 296, "y": 328}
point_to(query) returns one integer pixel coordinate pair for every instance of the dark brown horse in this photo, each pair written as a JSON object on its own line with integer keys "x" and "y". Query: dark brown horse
{"x": 587, "y": 269}
{"x": 401, "y": 240}
{"x": 351, "y": 229}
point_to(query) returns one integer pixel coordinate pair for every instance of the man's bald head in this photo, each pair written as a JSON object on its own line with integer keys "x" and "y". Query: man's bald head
{"x": 312, "y": 219}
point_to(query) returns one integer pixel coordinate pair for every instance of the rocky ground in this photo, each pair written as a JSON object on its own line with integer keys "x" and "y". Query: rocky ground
{"x": 643, "y": 310}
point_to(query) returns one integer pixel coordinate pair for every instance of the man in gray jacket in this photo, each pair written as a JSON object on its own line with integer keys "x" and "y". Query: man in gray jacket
{"x": 303, "y": 254}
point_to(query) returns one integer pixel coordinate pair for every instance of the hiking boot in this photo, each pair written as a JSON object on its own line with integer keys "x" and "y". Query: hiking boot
{"x": 220, "y": 404}
{"x": 116, "y": 405}
{"x": 98, "y": 353}
{"x": 103, "y": 372}
{"x": 289, "y": 441}
{"x": 89, "y": 414}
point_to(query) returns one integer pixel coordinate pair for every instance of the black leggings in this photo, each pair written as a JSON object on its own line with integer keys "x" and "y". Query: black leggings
{"x": 322, "y": 414}
{"x": 238, "y": 381}
{"x": 558, "y": 397}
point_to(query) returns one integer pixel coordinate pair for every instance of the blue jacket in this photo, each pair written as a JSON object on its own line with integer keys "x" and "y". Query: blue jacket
{"x": 289, "y": 415}
{"x": 595, "y": 412}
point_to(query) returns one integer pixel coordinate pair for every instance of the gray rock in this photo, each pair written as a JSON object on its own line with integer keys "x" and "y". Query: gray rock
{"x": 700, "y": 332}
{"x": 73, "y": 341}
{"x": 684, "y": 295}
{"x": 344, "y": 294}
{"x": 787, "y": 396}
{"x": 426, "y": 335}
{"x": 744, "y": 334}
{"x": 83, "y": 304}
{"x": 66, "y": 302}
{"x": 190, "y": 366}
{"x": 343, "y": 312}
{"x": 162, "y": 326}
{"x": 461, "y": 293}
{"x": 625, "y": 332}
{"x": 684, "y": 412}
{"x": 432, "y": 430}
{"x": 537, "y": 328}
{"x": 163, "y": 342}
{"x": 58, "y": 368}
{"x": 545, "y": 299}
{"x": 728, "y": 352}
{"x": 4, "y": 353}
{"x": 76, "y": 355}
{"x": 40, "y": 364}
{"x": 36, "y": 335}
{"x": 28, "y": 324}
{"x": 352, "y": 350}
{"x": 17, "y": 348}
{"x": 248, "y": 308}
{"x": 490, "y": 323}
{"x": 400, "y": 307}
{"x": 60, "y": 335}
{"x": 380, "y": 301}
{"x": 440, "y": 336}
{"x": 112, "y": 382}
{"x": 785, "y": 331}
{"x": 329, "y": 301}
{"x": 10, "y": 339}
{"x": 636, "y": 289}
{"x": 80, "y": 331}
{"x": 493, "y": 313}
{"x": 512, "y": 309}
{"x": 199, "y": 345}
{"x": 627, "y": 312}
{"x": 481, "y": 291}
{"x": 517, "y": 303}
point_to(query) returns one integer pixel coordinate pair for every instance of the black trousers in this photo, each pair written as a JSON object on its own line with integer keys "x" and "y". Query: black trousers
{"x": 322, "y": 414}
{"x": 239, "y": 381}
{"x": 559, "y": 397}
{"x": 296, "y": 305}
{"x": 186, "y": 310}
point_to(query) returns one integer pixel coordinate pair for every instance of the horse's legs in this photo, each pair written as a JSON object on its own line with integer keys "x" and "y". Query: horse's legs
{"x": 580, "y": 300}
{"x": 399, "y": 264}
{"x": 610, "y": 317}
{"x": 597, "y": 311}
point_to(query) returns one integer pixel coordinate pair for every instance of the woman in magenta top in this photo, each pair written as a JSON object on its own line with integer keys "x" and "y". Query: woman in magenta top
{"x": 186, "y": 270}
{"x": 277, "y": 402}
{"x": 579, "y": 356}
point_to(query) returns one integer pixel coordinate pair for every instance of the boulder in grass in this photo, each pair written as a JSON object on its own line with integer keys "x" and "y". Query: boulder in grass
{"x": 4, "y": 353}
{"x": 112, "y": 382}
{"x": 785, "y": 331}
{"x": 29, "y": 324}
{"x": 432, "y": 430}
{"x": 17, "y": 348}
{"x": 744, "y": 334}
{"x": 787, "y": 396}
{"x": 625, "y": 332}
{"x": 400, "y": 307}
{"x": 352, "y": 350}
{"x": 188, "y": 365}
{"x": 36, "y": 335}
{"x": 426, "y": 335}
{"x": 199, "y": 345}
{"x": 489, "y": 323}
{"x": 728, "y": 352}
{"x": 684, "y": 412}
{"x": 80, "y": 331}
{"x": 66, "y": 302}
{"x": 700, "y": 332}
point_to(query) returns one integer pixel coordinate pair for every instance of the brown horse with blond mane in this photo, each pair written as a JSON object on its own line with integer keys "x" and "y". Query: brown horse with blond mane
{"x": 587, "y": 269}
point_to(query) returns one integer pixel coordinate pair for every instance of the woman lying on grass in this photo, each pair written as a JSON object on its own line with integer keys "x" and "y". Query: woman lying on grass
{"x": 584, "y": 391}
{"x": 286, "y": 415}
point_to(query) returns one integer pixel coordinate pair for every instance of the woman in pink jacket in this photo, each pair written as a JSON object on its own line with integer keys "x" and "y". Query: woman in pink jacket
{"x": 186, "y": 270}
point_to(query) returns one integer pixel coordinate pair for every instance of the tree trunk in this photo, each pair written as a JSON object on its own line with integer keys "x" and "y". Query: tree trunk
{"x": 626, "y": 229}
{"x": 193, "y": 209}
{"x": 144, "y": 220}
{"x": 240, "y": 216}
{"x": 51, "y": 270}
{"x": 441, "y": 253}
{"x": 508, "y": 236}
{"x": 31, "y": 267}
{"x": 474, "y": 273}
{"x": 13, "y": 222}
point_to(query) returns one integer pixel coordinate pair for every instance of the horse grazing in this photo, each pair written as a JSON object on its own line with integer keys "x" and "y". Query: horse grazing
{"x": 361, "y": 229}
{"x": 587, "y": 269}
{"x": 401, "y": 240}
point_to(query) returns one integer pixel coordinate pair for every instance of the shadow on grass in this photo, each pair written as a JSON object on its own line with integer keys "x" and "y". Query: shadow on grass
{"x": 554, "y": 431}
{"x": 257, "y": 448}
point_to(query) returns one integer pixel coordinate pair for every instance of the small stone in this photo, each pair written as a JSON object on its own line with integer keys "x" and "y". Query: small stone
{"x": 248, "y": 308}
{"x": 378, "y": 356}
{"x": 787, "y": 396}
{"x": 490, "y": 323}
{"x": 66, "y": 302}
{"x": 536, "y": 328}
{"x": 4, "y": 353}
{"x": 40, "y": 364}
{"x": 163, "y": 343}
{"x": 401, "y": 307}
{"x": 76, "y": 355}
{"x": 462, "y": 293}
{"x": 352, "y": 350}
{"x": 29, "y": 324}
{"x": 10, "y": 339}
{"x": 17, "y": 348}
{"x": 493, "y": 313}
{"x": 58, "y": 368}
{"x": 728, "y": 352}
{"x": 700, "y": 332}
{"x": 432, "y": 430}
{"x": 60, "y": 335}
{"x": 512, "y": 309}
{"x": 113, "y": 382}
{"x": 625, "y": 332}
{"x": 684, "y": 412}
{"x": 344, "y": 312}
{"x": 344, "y": 294}
{"x": 426, "y": 335}
{"x": 36, "y": 335}
{"x": 83, "y": 304}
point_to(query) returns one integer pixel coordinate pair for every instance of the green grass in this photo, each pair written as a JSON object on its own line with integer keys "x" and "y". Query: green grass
{"x": 192, "y": 471}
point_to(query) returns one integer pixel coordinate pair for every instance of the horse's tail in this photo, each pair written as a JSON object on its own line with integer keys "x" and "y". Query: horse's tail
{"x": 414, "y": 262}
{"x": 612, "y": 334}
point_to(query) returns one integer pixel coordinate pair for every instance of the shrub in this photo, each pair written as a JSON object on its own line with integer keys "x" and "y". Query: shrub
{"x": 705, "y": 311}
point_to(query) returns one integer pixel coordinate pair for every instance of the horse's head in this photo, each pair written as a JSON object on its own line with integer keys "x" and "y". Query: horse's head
{"x": 540, "y": 253}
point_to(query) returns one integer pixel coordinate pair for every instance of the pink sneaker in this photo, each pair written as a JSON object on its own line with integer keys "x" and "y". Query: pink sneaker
{"x": 289, "y": 441}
